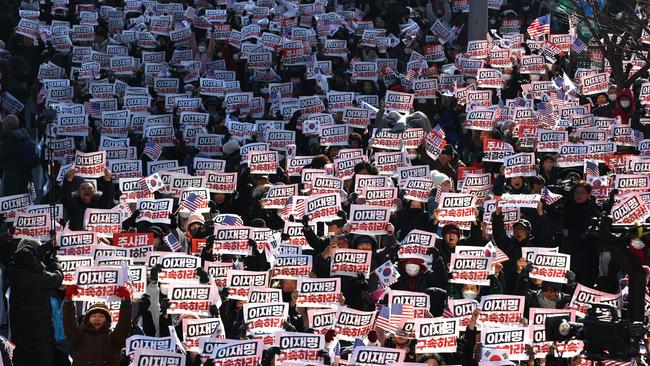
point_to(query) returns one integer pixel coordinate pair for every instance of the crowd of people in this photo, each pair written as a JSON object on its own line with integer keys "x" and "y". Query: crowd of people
{"x": 312, "y": 182}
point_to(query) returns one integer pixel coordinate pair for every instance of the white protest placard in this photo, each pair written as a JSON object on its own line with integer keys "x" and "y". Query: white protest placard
{"x": 266, "y": 317}
{"x": 245, "y": 352}
{"x": 278, "y": 195}
{"x": 520, "y": 165}
{"x": 98, "y": 283}
{"x": 470, "y": 270}
{"x": 291, "y": 266}
{"x": 155, "y": 210}
{"x": 501, "y": 309}
{"x": 417, "y": 189}
{"x": 350, "y": 262}
{"x": 510, "y": 339}
{"x": 318, "y": 292}
{"x": 143, "y": 357}
{"x": 351, "y": 324}
{"x": 457, "y": 207}
{"x": 69, "y": 264}
{"x": 103, "y": 222}
{"x": 195, "y": 329}
{"x": 397, "y": 101}
{"x": 296, "y": 346}
{"x": 371, "y": 220}
{"x": 232, "y": 240}
{"x": 239, "y": 281}
{"x": 508, "y": 200}
{"x": 90, "y": 165}
{"x": 263, "y": 162}
{"x": 142, "y": 342}
{"x": 377, "y": 356}
{"x": 191, "y": 297}
{"x": 548, "y": 266}
{"x": 11, "y": 205}
{"x": 323, "y": 207}
{"x": 436, "y": 335}
{"x": 177, "y": 266}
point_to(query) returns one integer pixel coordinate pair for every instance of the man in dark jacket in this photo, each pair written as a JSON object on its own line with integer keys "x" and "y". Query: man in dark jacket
{"x": 525, "y": 234}
{"x": 17, "y": 156}
{"x": 30, "y": 311}
{"x": 77, "y": 200}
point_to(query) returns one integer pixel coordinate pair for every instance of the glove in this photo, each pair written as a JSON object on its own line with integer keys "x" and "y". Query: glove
{"x": 213, "y": 206}
{"x": 343, "y": 215}
{"x": 164, "y": 306}
{"x": 352, "y": 198}
{"x": 275, "y": 350}
{"x": 71, "y": 290}
{"x": 204, "y": 277}
{"x": 123, "y": 293}
{"x": 325, "y": 355}
{"x": 214, "y": 311}
{"x": 305, "y": 220}
{"x": 288, "y": 327}
{"x": 154, "y": 273}
{"x": 145, "y": 302}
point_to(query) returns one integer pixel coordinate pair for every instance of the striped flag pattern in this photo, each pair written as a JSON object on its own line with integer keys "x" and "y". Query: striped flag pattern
{"x": 192, "y": 202}
{"x": 391, "y": 319}
{"x": 153, "y": 149}
{"x": 550, "y": 197}
{"x": 591, "y": 169}
{"x": 171, "y": 241}
{"x": 578, "y": 46}
{"x": 540, "y": 26}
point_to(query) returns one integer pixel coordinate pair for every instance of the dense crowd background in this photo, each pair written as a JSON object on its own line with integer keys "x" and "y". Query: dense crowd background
{"x": 48, "y": 71}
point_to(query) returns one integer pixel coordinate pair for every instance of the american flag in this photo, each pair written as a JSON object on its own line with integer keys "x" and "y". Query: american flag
{"x": 637, "y": 137}
{"x": 578, "y": 46}
{"x": 412, "y": 74}
{"x": 550, "y": 197}
{"x": 153, "y": 149}
{"x": 591, "y": 169}
{"x": 192, "y": 202}
{"x": 392, "y": 318}
{"x": 93, "y": 108}
{"x": 540, "y": 27}
{"x": 632, "y": 362}
{"x": 446, "y": 312}
{"x": 171, "y": 241}
{"x": 230, "y": 220}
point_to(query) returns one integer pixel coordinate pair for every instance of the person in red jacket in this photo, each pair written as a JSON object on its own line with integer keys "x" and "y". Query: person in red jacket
{"x": 93, "y": 342}
{"x": 624, "y": 106}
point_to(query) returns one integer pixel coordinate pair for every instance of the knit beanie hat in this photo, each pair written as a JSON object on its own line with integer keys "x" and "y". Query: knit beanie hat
{"x": 99, "y": 307}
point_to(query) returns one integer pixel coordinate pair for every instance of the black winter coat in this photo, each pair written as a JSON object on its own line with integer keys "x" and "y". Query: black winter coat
{"x": 75, "y": 208}
{"x": 30, "y": 310}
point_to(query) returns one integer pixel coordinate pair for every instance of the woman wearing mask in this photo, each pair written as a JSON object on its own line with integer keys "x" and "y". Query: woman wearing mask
{"x": 624, "y": 107}
{"x": 415, "y": 276}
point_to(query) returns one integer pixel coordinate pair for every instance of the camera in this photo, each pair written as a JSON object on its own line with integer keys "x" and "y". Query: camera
{"x": 604, "y": 339}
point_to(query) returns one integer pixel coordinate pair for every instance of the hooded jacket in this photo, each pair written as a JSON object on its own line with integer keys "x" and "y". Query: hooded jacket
{"x": 29, "y": 305}
{"x": 18, "y": 157}
{"x": 619, "y": 111}
{"x": 92, "y": 346}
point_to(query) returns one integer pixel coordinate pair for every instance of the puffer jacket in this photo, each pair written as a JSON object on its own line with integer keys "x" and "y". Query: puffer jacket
{"x": 96, "y": 347}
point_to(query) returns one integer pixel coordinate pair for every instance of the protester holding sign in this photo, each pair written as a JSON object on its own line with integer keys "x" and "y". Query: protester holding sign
{"x": 79, "y": 195}
{"x": 93, "y": 341}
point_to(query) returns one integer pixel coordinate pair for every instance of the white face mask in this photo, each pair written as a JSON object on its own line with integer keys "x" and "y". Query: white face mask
{"x": 637, "y": 244}
{"x": 535, "y": 77}
{"x": 507, "y": 77}
{"x": 412, "y": 269}
{"x": 493, "y": 21}
{"x": 202, "y": 48}
{"x": 264, "y": 90}
{"x": 469, "y": 295}
{"x": 612, "y": 97}
{"x": 413, "y": 156}
{"x": 525, "y": 8}
{"x": 421, "y": 101}
{"x": 625, "y": 103}
{"x": 235, "y": 57}
{"x": 408, "y": 51}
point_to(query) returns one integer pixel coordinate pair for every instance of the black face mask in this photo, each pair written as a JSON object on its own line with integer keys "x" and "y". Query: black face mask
{"x": 195, "y": 232}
